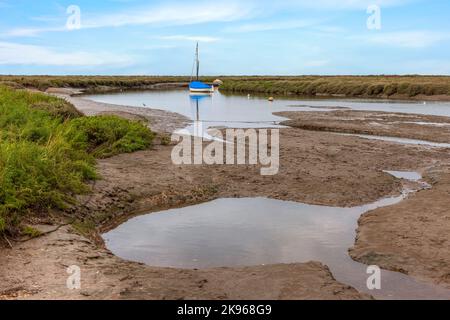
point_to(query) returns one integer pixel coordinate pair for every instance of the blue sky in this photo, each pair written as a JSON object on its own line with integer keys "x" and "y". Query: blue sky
{"x": 290, "y": 37}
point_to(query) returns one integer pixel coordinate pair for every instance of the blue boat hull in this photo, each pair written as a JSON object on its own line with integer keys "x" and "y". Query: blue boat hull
{"x": 198, "y": 86}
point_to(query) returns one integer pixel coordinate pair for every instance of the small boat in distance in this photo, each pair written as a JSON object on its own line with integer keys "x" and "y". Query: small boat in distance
{"x": 197, "y": 86}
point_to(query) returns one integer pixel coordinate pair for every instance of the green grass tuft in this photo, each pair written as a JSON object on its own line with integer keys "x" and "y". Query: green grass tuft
{"x": 47, "y": 152}
{"x": 31, "y": 232}
{"x": 105, "y": 136}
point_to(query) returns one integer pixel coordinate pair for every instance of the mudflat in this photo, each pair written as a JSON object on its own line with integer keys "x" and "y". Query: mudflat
{"x": 316, "y": 167}
{"x": 37, "y": 270}
{"x": 401, "y": 125}
{"x": 412, "y": 236}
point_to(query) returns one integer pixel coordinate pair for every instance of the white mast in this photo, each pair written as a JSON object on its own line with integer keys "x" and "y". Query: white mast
{"x": 197, "y": 61}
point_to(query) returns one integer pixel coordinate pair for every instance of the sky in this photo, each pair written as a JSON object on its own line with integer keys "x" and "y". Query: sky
{"x": 245, "y": 37}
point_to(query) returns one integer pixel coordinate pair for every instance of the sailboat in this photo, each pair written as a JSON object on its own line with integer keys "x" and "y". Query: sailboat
{"x": 197, "y": 86}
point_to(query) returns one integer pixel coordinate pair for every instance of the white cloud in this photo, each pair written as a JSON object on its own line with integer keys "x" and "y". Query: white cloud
{"x": 174, "y": 14}
{"x": 53, "y": 19}
{"x": 24, "y": 54}
{"x": 405, "y": 39}
{"x": 190, "y": 38}
{"x": 425, "y": 66}
{"x": 277, "y": 25}
{"x": 345, "y": 4}
{"x": 29, "y": 32}
{"x": 316, "y": 63}
{"x": 181, "y": 13}
{"x": 330, "y": 29}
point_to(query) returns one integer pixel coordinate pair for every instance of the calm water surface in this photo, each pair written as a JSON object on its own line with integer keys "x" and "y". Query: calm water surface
{"x": 255, "y": 231}
{"x": 400, "y": 140}
{"x": 241, "y": 111}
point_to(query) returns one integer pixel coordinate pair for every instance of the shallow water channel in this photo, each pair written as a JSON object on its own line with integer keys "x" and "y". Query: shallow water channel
{"x": 241, "y": 111}
{"x": 257, "y": 231}
{"x": 400, "y": 140}
{"x": 222, "y": 108}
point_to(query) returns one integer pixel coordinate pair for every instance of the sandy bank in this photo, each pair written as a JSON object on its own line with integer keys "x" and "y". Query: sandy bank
{"x": 412, "y": 236}
{"x": 315, "y": 167}
{"x": 37, "y": 270}
{"x": 402, "y": 125}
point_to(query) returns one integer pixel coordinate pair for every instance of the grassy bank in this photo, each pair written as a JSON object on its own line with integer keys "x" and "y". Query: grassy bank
{"x": 88, "y": 82}
{"x": 48, "y": 151}
{"x": 345, "y": 86}
{"x": 348, "y": 86}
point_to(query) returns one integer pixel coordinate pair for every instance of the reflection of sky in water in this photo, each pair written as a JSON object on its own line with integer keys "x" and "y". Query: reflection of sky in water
{"x": 399, "y": 140}
{"x": 414, "y": 176}
{"x": 253, "y": 231}
{"x": 241, "y": 111}
{"x": 241, "y": 231}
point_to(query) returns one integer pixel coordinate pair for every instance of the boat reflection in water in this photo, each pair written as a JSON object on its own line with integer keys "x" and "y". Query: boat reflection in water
{"x": 197, "y": 100}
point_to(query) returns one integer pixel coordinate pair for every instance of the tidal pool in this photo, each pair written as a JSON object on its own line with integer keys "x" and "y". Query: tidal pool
{"x": 257, "y": 231}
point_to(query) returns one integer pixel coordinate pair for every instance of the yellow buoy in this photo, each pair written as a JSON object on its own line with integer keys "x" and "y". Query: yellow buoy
{"x": 271, "y": 99}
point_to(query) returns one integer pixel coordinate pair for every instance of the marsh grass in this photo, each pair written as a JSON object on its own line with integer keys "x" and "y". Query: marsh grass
{"x": 105, "y": 136}
{"x": 349, "y": 86}
{"x": 48, "y": 151}
{"x": 87, "y": 82}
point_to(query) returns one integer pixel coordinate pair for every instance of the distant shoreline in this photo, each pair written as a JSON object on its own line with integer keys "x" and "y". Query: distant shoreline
{"x": 414, "y": 88}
